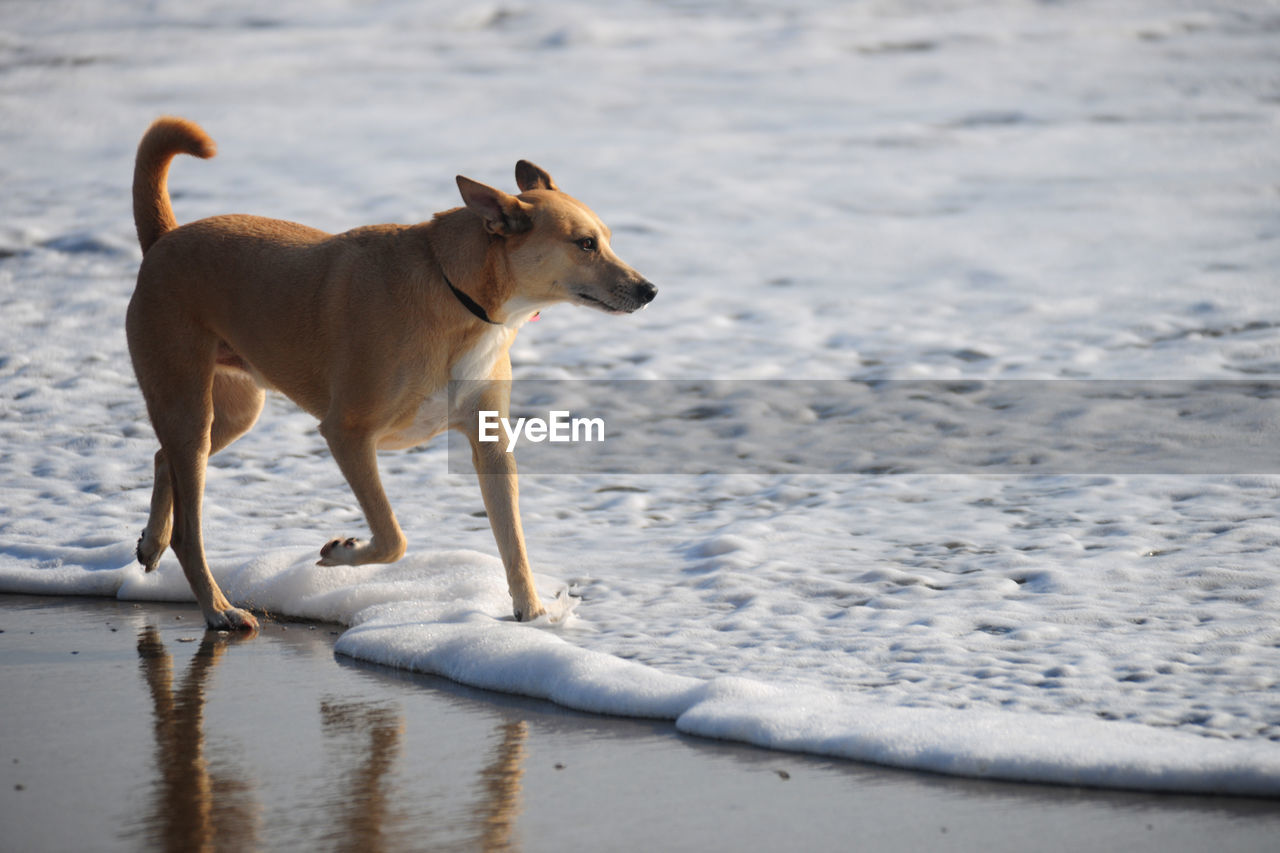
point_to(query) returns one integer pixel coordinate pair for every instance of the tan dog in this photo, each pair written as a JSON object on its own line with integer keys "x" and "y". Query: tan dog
{"x": 364, "y": 330}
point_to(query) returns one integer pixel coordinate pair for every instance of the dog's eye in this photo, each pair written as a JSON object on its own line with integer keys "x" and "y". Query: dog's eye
{"x": 587, "y": 244}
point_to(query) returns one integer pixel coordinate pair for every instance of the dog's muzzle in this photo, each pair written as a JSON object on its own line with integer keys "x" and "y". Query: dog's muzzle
{"x": 621, "y": 300}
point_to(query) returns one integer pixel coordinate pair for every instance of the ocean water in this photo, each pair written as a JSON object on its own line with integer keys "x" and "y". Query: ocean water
{"x": 823, "y": 191}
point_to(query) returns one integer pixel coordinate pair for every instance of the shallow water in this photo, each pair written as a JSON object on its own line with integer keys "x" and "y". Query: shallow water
{"x": 127, "y": 727}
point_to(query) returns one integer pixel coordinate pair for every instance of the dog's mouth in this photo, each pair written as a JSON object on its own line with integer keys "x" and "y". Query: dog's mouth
{"x": 600, "y": 305}
{"x": 629, "y": 301}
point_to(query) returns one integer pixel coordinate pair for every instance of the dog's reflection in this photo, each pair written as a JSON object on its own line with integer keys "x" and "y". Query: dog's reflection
{"x": 362, "y": 807}
{"x": 196, "y": 808}
{"x": 204, "y": 805}
{"x": 366, "y": 821}
{"x": 499, "y": 808}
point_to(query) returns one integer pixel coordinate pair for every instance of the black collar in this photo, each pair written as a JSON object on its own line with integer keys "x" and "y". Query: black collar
{"x": 469, "y": 303}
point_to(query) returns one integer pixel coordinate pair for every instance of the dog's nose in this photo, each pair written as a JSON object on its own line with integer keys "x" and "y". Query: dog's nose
{"x": 645, "y": 291}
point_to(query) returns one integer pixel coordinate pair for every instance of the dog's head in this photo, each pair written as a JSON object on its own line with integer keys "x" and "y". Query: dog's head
{"x": 557, "y": 249}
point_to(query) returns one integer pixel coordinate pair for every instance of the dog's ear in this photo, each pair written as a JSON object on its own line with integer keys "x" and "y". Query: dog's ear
{"x": 533, "y": 177}
{"x": 503, "y": 214}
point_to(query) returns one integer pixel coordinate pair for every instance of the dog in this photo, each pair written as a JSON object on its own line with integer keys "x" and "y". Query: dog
{"x": 365, "y": 330}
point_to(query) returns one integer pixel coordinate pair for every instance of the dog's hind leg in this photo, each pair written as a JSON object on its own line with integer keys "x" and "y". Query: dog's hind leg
{"x": 156, "y": 535}
{"x": 237, "y": 402}
{"x": 187, "y": 453}
{"x": 176, "y": 374}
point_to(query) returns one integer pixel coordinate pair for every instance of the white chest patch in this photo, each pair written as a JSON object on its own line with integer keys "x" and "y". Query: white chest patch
{"x": 434, "y": 415}
{"x": 478, "y": 362}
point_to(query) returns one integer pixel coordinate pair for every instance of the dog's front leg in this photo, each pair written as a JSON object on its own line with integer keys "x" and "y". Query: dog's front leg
{"x": 496, "y": 469}
{"x": 355, "y": 451}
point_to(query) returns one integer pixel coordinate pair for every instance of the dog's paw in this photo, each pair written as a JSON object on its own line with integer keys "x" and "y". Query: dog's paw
{"x": 339, "y": 552}
{"x": 147, "y": 552}
{"x": 233, "y": 619}
{"x": 528, "y": 610}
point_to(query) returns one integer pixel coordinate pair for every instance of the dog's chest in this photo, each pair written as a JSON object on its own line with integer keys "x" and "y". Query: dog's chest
{"x": 479, "y": 360}
{"x": 438, "y": 411}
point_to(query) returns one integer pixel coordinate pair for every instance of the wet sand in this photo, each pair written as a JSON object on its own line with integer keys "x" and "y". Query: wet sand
{"x": 127, "y": 726}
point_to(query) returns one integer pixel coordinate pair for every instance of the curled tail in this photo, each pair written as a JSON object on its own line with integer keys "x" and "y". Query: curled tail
{"x": 166, "y": 138}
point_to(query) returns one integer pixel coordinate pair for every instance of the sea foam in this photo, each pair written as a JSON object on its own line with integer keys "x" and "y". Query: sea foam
{"x": 447, "y": 614}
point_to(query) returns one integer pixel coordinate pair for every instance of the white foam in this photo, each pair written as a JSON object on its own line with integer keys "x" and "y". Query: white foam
{"x": 444, "y": 614}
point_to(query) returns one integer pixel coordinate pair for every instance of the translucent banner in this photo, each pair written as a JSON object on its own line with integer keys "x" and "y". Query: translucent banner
{"x": 1024, "y": 427}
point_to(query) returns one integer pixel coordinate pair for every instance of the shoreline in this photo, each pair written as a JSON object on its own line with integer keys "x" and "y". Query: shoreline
{"x": 297, "y": 746}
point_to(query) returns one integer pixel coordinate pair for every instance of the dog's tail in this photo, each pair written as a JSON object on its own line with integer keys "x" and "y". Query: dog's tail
{"x": 166, "y": 138}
